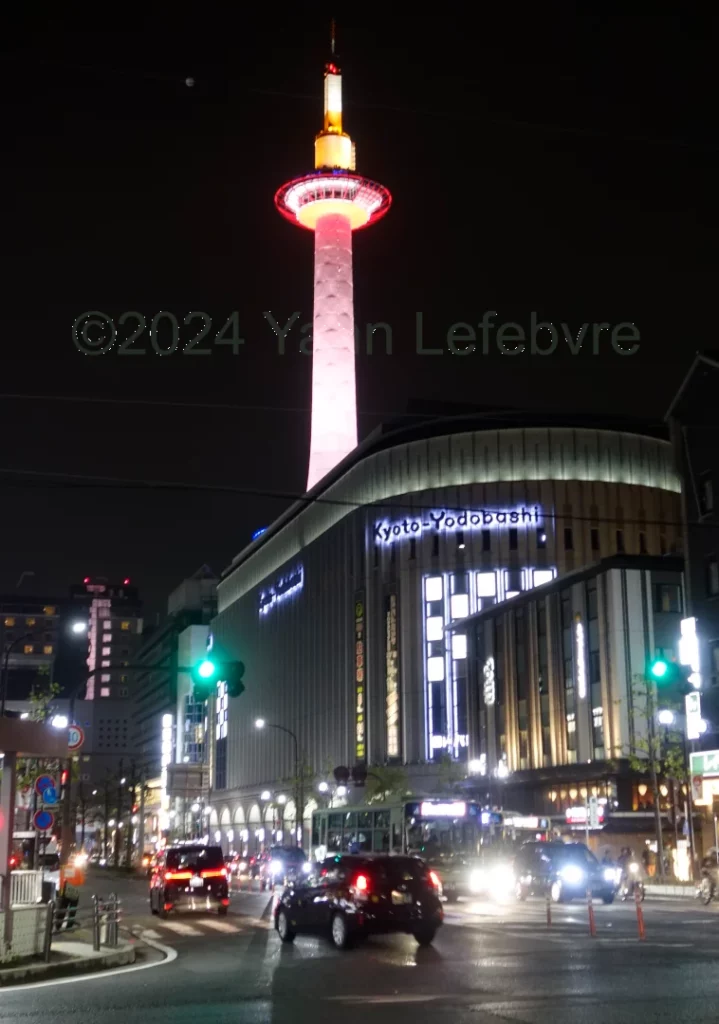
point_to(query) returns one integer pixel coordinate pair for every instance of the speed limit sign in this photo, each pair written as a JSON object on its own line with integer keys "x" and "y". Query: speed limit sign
{"x": 75, "y": 737}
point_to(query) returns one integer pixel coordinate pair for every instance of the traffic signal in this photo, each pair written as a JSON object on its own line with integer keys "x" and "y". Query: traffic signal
{"x": 206, "y": 674}
{"x": 669, "y": 673}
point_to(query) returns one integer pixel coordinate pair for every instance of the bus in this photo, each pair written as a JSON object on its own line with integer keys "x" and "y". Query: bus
{"x": 455, "y": 837}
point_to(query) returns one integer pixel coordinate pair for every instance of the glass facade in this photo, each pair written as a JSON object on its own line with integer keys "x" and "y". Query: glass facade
{"x": 448, "y": 598}
{"x": 193, "y": 740}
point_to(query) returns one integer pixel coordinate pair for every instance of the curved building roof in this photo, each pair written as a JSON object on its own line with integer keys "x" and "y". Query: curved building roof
{"x": 493, "y": 447}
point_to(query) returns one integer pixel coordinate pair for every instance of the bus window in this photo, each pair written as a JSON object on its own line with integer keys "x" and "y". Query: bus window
{"x": 381, "y": 840}
{"x": 381, "y": 819}
{"x": 335, "y": 821}
{"x": 350, "y": 822}
{"x": 364, "y": 819}
{"x": 334, "y": 841}
{"x": 396, "y": 839}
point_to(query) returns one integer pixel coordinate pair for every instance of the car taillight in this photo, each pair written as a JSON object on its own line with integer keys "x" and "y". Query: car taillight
{"x": 361, "y": 885}
{"x": 434, "y": 880}
{"x": 176, "y": 876}
{"x": 214, "y": 873}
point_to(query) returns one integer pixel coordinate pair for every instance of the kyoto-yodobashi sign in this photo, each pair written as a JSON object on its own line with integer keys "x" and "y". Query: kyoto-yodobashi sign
{"x": 452, "y": 520}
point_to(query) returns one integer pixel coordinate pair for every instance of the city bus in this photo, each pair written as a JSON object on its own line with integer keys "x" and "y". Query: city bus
{"x": 455, "y": 837}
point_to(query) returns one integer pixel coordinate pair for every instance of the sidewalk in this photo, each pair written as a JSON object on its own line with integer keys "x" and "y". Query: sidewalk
{"x": 69, "y": 956}
{"x": 685, "y": 891}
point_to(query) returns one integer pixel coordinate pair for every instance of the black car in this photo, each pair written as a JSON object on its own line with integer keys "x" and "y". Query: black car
{"x": 350, "y": 896}
{"x": 283, "y": 866}
{"x": 192, "y": 877}
{"x": 565, "y": 870}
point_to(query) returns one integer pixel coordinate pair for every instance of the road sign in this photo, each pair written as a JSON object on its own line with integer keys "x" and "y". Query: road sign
{"x": 75, "y": 737}
{"x": 693, "y": 706}
{"x": 43, "y": 820}
{"x": 593, "y": 812}
{"x": 43, "y": 782}
{"x": 49, "y": 795}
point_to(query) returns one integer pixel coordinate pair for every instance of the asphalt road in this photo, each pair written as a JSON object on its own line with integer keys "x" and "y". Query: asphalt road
{"x": 489, "y": 963}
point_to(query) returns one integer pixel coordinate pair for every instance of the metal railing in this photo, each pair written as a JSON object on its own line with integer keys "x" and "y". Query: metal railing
{"x": 25, "y": 887}
{"x": 102, "y": 918}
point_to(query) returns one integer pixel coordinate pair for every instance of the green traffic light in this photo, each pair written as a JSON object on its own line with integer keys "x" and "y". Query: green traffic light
{"x": 206, "y": 669}
{"x": 659, "y": 669}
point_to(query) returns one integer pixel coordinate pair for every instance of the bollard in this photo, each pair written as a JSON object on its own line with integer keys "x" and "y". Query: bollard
{"x": 592, "y": 922}
{"x": 549, "y": 908}
{"x": 640, "y": 915}
{"x": 95, "y": 924}
{"x": 49, "y": 922}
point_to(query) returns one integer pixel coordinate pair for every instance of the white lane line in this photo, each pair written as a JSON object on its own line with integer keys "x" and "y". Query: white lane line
{"x": 169, "y": 954}
{"x": 222, "y": 926}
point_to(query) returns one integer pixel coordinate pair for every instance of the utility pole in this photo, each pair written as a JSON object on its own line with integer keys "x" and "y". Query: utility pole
{"x": 131, "y": 816}
{"x": 141, "y": 829}
{"x": 118, "y": 833}
{"x": 653, "y": 753}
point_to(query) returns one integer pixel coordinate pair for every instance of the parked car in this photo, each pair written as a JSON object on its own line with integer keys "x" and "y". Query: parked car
{"x": 189, "y": 877}
{"x": 565, "y": 870}
{"x": 351, "y": 896}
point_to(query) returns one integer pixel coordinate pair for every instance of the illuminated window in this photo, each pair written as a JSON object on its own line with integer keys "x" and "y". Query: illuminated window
{"x": 104, "y": 664}
{"x": 50, "y": 609}
{"x": 47, "y": 649}
{"x": 433, "y": 588}
{"x": 104, "y": 691}
{"x": 30, "y": 621}
{"x": 125, "y": 625}
{"x": 106, "y": 652}
{"x": 28, "y": 648}
{"x": 104, "y": 679}
{"x": 10, "y": 622}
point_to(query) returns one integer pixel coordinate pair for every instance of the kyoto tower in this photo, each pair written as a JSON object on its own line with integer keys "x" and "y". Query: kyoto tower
{"x": 333, "y": 201}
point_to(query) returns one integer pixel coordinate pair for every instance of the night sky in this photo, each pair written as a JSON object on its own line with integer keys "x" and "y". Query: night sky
{"x": 538, "y": 163}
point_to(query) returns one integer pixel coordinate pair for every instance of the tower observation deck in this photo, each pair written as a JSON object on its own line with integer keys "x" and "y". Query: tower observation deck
{"x": 333, "y": 201}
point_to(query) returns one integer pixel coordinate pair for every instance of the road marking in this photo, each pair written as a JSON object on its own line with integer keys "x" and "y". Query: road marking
{"x": 169, "y": 954}
{"x": 221, "y": 926}
{"x": 180, "y": 928}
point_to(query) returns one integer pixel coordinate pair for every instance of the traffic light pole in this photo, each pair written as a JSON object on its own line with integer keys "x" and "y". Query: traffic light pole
{"x": 652, "y": 730}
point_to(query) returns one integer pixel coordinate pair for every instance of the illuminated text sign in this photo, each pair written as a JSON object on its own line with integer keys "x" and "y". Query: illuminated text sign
{"x": 490, "y": 687}
{"x": 392, "y": 678}
{"x": 581, "y": 660}
{"x": 449, "y": 520}
{"x": 360, "y": 748}
{"x": 285, "y": 586}
{"x": 458, "y": 809}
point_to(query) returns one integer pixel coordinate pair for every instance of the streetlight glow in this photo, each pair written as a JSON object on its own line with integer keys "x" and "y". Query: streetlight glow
{"x": 265, "y": 794}
{"x": 79, "y": 627}
{"x": 666, "y": 717}
{"x": 341, "y": 791}
{"x": 259, "y": 723}
{"x": 282, "y": 799}
{"x": 323, "y": 787}
{"x": 195, "y": 808}
{"x": 60, "y": 722}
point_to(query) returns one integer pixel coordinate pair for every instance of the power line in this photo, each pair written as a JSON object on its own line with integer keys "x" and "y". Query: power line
{"x": 48, "y": 478}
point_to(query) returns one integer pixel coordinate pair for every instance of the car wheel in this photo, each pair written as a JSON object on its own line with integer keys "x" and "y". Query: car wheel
{"x": 284, "y": 930}
{"x": 556, "y": 892}
{"x": 164, "y": 914}
{"x": 340, "y": 932}
{"x": 425, "y": 936}
{"x": 520, "y": 892}
{"x": 608, "y": 897}
{"x": 222, "y": 911}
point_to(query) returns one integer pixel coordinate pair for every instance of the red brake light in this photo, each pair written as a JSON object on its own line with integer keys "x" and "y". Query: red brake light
{"x": 361, "y": 883}
{"x": 215, "y": 873}
{"x": 434, "y": 879}
{"x": 175, "y": 876}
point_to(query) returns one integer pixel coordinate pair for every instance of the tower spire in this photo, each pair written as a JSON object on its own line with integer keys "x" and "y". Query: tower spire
{"x": 332, "y": 38}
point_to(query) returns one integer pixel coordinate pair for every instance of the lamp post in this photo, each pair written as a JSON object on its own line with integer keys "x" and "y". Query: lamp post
{"x": 6, "y": 658}
{"x": 667, "y": 718}
{"x": 260, "y": 723}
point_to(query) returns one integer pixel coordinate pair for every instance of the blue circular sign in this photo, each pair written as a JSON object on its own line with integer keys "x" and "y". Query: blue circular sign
{"x": 43, "y": 820}
{"x": 43, "y": 782}
{"x": 49, "y": 795}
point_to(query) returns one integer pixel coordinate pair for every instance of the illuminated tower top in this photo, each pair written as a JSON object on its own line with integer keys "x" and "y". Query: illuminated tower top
{"x": 333, "y": 147}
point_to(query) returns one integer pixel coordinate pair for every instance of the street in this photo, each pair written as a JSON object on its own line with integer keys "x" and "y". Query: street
{"x": 489, "y": 963}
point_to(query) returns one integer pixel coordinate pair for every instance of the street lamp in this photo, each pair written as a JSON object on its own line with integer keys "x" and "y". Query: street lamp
{"x": 260, "y": 723}
{"x": 59, "y": 722}
{"x": 265, "y": 795}
{"x": 323, "y": 787}
{"x": 79, "y": 627}
{"x": 666, "y": 717}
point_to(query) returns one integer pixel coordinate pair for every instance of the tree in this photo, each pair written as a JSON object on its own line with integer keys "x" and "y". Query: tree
{"x": 651, "y": 752}
{"x": 385, "y": 782}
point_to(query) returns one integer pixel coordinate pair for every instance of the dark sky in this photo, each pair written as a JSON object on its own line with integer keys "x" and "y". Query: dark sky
{"x": 542, "y": 163}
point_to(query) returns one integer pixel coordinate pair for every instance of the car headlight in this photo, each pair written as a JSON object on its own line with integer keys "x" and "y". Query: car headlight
{"x": 634, "y": 868}
{"x": 571, "y": 874}
{"x": 502, "y": 879}
{"x": 242, "y": 866}
{"x": 477, "y": 880}
{"x": 609, "y": 874}
{"x": 275, "y": 867}
{"x": 306, "y": 868}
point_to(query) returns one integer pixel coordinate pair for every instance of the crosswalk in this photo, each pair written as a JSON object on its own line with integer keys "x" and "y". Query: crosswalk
{"x": 199, "y": 927}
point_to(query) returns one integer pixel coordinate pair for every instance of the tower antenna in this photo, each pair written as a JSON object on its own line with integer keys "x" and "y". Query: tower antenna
{"x": 332, "y": 37}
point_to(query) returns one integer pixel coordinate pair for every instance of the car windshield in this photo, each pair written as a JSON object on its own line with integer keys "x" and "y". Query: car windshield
{"x": 576, "y": 855}
{"x": 395, "y": 870}
{"x": 195, "y": 858}
{"x": 292, "y": 853}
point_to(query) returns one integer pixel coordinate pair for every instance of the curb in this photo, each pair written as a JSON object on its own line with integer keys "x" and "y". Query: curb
{"x": 82, "y": 965}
